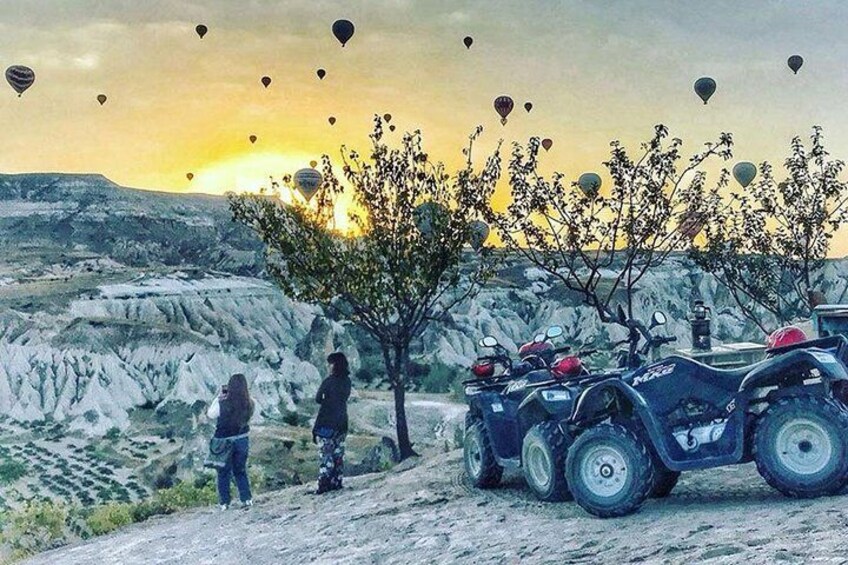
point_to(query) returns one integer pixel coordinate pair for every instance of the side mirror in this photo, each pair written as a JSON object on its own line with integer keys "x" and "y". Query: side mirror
{"x": 658, "y": 319}
{"x": 553, "y": 331}
{"x": 488, "y": 341}
{"x": 539, "y": 338}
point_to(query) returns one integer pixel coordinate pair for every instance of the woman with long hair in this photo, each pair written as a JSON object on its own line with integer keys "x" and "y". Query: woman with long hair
{"x": 330, "y": 427}
{"x": 233, "y": 409}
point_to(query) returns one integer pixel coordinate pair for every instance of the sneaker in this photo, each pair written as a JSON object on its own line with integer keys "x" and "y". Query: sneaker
{"x": 225, "y": 507}
{"x": 247, "y": 504}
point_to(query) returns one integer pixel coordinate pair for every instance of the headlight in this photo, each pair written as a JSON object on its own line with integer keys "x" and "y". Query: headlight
{"x": 556, "y": 395}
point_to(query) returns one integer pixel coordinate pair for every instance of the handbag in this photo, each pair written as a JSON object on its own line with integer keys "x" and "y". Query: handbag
{"x": 220, "y": 450}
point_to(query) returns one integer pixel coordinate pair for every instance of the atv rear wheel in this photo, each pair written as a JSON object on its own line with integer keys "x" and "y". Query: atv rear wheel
{"x": 609, "y": 470}
{"x": 543, "y": 462}
{"x": 801, "y": 446}
{"x": 664, "y": 480}
{"x": 480, "y": 463}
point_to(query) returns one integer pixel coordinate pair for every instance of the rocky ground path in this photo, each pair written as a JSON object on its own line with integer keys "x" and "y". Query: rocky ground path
{"x": 425, "y": 512}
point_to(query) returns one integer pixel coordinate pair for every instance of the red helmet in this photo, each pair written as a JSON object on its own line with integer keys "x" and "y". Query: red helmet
{"x": 788, "y": 335}
{"x": 567, "y": 367}
{"x": 483, "y": 370}
{"x": 534, "y": 347}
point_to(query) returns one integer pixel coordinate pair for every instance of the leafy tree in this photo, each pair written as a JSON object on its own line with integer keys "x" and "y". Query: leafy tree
{"x": 767, "y": 245}
{"x": 602, "y": 243}
{"x": 403, "y": 267}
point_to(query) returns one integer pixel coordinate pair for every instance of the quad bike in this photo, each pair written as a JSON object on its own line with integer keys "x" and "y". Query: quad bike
{"x": 512, "y": 420}
{"x": 787, "y": 413}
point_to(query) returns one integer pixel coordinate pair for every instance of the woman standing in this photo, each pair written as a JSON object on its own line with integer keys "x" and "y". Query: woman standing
{"x": 331, "y": 424}
{"x": 233, "y": 409}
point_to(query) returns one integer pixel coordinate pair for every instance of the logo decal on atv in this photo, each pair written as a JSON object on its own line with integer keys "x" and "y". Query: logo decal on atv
{"x": 731, "y": 407}
{"x": 497, "y": 407}
{"x": 516, "y": 385}
{"x": 654, "y": 373}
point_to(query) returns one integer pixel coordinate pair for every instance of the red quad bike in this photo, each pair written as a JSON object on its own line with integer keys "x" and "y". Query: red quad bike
{"x": 787, "y": 413}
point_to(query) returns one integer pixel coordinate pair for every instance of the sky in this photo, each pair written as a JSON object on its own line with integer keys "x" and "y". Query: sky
{"x": 595, "y": 70}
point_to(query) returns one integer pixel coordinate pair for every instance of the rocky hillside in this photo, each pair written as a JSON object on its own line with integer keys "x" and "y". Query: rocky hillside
{"x": 428, "y": 514}
{"x": 113, "y": 298}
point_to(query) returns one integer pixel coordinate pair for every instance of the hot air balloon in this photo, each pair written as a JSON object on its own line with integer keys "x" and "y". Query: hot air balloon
{"x": 704, "y": 88}
{"x": 20, "y": 78}
{"x": 795, "y": 62}
{"x": 468, "y": 41}
{"x": 321, "y": 74}
{"x": 266, "y": 81}
{"x": 387, "y": 117}
{"x": 392, "y": 127}
{"x": 589, "y": 183}
{"x": 744, "y": 173}
{"x": 307, "y": 182}
{"x": 691, "y": 223}
{"x": 343, "y": 30}
{"x": 101, "y": 98}
{"x": 201, "y": 30}
{"x": 313, "y": 164}
{"x": 427, "y": 216}
{"x": 332, "y": 120}
{"x": 547, "y": 144}
{"x": 503, "y": 106}
{"x": 253, "y": 138}
{"x": 479, "y": 234}
{"x": 528, "y": 106}
{"x": 189, "y": 176}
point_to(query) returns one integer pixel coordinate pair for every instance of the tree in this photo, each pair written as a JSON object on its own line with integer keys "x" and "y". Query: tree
{"x": 403, "y": 268}
{"x": 767, "y": 245}
{"x": 601, "y": 245}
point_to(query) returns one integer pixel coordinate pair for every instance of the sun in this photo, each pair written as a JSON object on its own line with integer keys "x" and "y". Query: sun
{"x": 254, "y": 172}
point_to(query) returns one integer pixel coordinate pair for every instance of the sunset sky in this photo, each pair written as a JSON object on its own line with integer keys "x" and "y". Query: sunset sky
{"x": 594, "y": 71}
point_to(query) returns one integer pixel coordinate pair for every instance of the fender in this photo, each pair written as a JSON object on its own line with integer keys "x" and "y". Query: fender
{"x": 591, "y": 402}
{"x": 542, "y": 404}
{"x": 775, "y": 371}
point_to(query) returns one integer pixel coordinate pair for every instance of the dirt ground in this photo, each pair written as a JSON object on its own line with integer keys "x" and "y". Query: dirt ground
{"x": 425, "y": 512}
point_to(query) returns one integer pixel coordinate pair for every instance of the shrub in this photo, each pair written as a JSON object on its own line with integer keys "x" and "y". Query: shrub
{"x": 439, "y": 378}
{"x": 11, "y": 470}
{"x": 39, "y": 526}
{"x": 186, "y": 495}
{"x": 110, "y": 517}
{"x": 113, "y": 434}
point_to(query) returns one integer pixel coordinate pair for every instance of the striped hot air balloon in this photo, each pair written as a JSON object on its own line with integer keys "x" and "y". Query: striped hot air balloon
{"x": 307, "y": 182}
{"x": 20, "y": 78}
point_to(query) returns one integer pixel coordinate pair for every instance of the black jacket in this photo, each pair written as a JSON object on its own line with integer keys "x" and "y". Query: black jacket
{"x": 228, "y": 424}
{"x": 332, "y": 396}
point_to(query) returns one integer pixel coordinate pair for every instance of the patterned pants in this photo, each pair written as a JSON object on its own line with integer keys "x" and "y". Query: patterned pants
{"x": 331, "y": 470}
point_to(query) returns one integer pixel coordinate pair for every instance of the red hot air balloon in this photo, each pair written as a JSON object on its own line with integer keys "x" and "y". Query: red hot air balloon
{"x": 253, "y": 139}
{"x": 387, "y": 117}
{"x": 20, "y": 78}
{"x": 343, "y": 30}
{"x": 321, "y": 74}
{"x": 189, "y": 176}
{"x": 503, "y": 106}
{"x": 101, "y": 98}
{"x": 201, "y": 30}
{"x": 547, "y": 144}
{"x": 266, "y": 81}
{"x": 528, "y": 106}
{"x": 332, "y": 120}
{"x": 468, "y": 41}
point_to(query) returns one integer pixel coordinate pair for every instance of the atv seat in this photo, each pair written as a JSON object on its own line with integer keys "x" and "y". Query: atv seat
{"x": 726, "y": 375}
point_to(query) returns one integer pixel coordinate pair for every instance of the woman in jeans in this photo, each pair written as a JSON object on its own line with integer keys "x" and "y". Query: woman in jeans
{"x": 331, "y": 424}
{"x": 233, "y": 409}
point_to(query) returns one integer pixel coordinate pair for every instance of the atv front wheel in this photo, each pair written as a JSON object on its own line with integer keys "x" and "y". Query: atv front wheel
{"x": 609, "y": 471}
{"x": 543, "y": 462}
{"x": 801, "y": 446}
{"x": 480, "y": 463}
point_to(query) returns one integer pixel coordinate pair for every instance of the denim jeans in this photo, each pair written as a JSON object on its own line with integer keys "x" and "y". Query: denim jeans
{"x": 236, "y": 468}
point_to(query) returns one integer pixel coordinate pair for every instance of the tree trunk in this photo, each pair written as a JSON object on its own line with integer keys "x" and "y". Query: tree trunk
{"x": 396, "y": 360}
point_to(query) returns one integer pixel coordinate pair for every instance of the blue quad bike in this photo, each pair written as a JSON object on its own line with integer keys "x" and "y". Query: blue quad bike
{"x": 630, "y": 433}
{"x": 513, "y": 417}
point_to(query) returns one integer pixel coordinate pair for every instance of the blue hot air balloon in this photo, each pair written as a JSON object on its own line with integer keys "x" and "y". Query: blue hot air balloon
{"x": 744, "y": 173}
{"x": 795, "y": 62}
{"x": 307, "y": 182}
{"x": 589, "y": 183}
{"x": 343, "y": 30}
{"x": 705, "y": 87}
